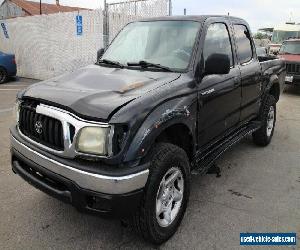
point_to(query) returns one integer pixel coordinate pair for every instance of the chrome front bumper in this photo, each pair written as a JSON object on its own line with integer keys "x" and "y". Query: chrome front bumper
{"x": 90, "y": 181}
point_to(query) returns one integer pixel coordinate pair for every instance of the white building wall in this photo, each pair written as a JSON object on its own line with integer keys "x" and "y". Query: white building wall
{"x": 46, "y": 46}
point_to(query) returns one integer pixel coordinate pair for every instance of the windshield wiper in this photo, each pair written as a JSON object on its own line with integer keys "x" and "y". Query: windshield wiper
{"x": 145, "y": 64}
{"x": 109, "y": 62}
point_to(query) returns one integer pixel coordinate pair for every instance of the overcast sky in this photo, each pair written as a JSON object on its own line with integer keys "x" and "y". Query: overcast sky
{"x": 259, "y": 13}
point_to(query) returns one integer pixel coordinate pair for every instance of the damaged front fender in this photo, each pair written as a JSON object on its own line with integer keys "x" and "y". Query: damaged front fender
{"x": 181, "y": 110}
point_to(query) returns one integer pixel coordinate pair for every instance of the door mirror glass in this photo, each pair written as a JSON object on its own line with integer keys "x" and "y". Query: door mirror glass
{"x": 217, "y": 64}
{"x": 100, "y": 53}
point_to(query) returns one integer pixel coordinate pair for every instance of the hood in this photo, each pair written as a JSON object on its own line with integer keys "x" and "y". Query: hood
{"x": 6, "y": 54}
{"x": 290, "y": 58}
{"x": 96, "y": 91}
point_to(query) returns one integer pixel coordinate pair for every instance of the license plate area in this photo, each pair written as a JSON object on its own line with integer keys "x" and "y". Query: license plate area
{"x": 289, "y": 79}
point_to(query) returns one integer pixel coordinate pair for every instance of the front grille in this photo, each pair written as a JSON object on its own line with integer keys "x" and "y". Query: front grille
{"x": 40, "y": 128}
{"x": 293, "y": 68}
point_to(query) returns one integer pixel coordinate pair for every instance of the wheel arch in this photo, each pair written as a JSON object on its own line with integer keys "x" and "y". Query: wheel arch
{"x": 274, "y": 87}
{"x": 176, "y": 125}
{"x": 3, "y": 67}
{"x": 180, "y": 135}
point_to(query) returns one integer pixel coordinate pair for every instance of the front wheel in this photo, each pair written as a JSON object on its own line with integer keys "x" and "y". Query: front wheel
{"x": 263, "y": 136}
{"x": 3, "y": 75}
{"x": 166, "y": 194}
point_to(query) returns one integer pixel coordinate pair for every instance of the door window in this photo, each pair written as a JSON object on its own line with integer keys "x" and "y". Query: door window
{"x": 244, "y": 45}
{"x": 217, "y": 41}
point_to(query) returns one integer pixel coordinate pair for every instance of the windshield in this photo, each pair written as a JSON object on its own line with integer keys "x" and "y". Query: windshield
{"x": 279, "y": 36}
{"x": 290, "y": 48}
{"x": 168, "y": 43}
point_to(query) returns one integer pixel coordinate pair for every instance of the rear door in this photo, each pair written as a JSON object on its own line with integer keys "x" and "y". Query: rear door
{"x": 219, "y": 95}
{"x": 250, "y": 72}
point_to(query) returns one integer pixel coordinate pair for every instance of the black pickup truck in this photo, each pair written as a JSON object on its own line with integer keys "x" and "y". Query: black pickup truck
{"x": 165, "y": 100}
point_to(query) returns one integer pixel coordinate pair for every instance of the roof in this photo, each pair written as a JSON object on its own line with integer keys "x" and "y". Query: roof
{"x": 199, "y": 18}
{"x": 288, "y": 27}
{"x": 33, "y": 8}
{"x": 292, "y": 40}
{"x": 266, "y": 29}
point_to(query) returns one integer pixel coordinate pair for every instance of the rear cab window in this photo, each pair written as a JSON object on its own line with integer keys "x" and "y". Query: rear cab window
{"x": 244, "y": 43}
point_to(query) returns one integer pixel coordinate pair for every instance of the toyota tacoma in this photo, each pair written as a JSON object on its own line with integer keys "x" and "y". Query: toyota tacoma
{"x": 166, "y": 98}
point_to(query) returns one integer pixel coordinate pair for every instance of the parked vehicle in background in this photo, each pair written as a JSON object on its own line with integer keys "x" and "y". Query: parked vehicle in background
{"x": 8, "y": 67}
{"x": 261, "y": 51}
{"x": 287, "y": 31}
{"x": 167, "y": 98}
{"x": 281, "y": 33}
{"x": 273, "y": 49}
{"x": 290, "y": 53}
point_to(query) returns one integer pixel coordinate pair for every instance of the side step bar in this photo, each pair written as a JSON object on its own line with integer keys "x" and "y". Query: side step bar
{"x": 207, "y": 158}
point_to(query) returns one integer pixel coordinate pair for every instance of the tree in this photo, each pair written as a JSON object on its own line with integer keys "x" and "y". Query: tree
{"x": 260, "y": 36}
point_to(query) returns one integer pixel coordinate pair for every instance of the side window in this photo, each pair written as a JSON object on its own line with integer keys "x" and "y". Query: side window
{"x": 217, "y": 41}
{"x": 244, "y": 46}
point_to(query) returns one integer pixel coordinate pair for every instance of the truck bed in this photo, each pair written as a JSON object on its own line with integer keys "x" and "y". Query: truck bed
{"x": 273, "y": 67}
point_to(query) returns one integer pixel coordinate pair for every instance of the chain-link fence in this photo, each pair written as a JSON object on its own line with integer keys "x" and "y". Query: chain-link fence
{"x": 121, "y": 13}
{"x": 49, "y": 45}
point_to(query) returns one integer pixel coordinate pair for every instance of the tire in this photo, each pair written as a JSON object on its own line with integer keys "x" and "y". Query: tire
{"x": 263, "y": 136}
{"x": 154, "y": 226}
{"x": 3, "y": 75}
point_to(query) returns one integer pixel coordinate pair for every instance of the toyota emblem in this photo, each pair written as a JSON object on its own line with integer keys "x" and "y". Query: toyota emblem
{"x": 38, "y": 127}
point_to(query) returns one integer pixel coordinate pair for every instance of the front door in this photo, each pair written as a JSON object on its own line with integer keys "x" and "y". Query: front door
{"x": 219, "y": 95}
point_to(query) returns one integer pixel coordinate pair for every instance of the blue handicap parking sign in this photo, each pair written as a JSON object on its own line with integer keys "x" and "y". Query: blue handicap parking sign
{"x": 79, "y": 28}
{"x": 79, "y": 19}
{"x": 4, "y": 30}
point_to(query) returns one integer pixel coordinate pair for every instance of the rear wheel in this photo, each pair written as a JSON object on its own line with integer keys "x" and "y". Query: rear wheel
{"x": 3, "y": 75}
{"x": 166, "y": 194}
{"x": 263, "y": 136}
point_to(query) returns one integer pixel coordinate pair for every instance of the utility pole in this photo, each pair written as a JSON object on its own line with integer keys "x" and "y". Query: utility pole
{"x": 184, "y": 11}
{"x": 40, "y": 7}
{"x": 105, "y": 25}
{"x": 170, "y": 7}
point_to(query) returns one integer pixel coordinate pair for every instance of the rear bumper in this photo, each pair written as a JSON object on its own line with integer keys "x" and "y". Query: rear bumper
{"x": 109, "y": 195}
{"x": 13, "y": 73}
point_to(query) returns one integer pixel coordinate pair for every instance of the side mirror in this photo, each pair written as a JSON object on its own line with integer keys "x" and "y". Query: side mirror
{"x": 100, "y": 53}
{"x": 218, "y": 64}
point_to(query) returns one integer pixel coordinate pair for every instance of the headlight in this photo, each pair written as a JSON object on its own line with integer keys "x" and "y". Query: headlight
{"x": 93, "y": 140}
{"x": 16, "y": 111}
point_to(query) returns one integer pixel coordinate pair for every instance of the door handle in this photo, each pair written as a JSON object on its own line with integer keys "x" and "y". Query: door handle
{"x": 257, "y": 77}
{"x": 236, "y": 81}
{"x": 207, "y": 92}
